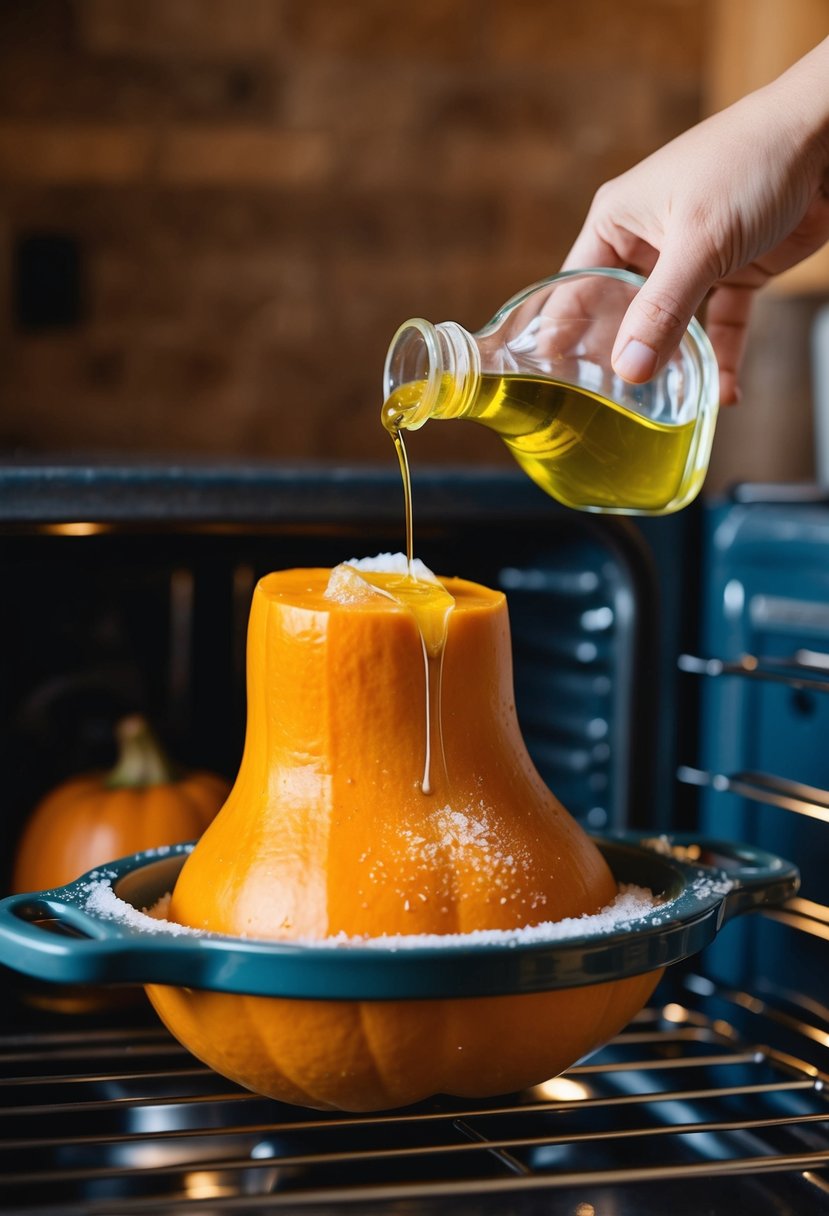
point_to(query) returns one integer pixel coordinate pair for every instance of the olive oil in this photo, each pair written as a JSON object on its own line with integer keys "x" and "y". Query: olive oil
{"x": 403, "y": 461}
{"x": 581, "y": 448}
{"x": 430, "y": 604}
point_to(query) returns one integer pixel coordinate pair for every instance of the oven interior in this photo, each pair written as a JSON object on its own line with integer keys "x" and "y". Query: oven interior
{"x": 670, "y": 674}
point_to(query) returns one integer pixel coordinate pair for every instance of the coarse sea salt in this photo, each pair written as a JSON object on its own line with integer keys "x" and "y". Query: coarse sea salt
{"x": 102, "y": 901}
{"x": 631, "y": 905}
{"x": 346, "y": 587}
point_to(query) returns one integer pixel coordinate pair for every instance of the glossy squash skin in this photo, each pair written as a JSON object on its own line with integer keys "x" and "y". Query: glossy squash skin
{"x": 328, "y": 831}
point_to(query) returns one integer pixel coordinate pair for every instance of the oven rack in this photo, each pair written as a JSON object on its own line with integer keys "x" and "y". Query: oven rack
{"x": 710, "y": 1083}
{"x": 804, "y": 671}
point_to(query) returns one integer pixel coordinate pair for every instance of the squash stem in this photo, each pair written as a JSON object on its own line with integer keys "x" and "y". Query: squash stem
{"x": 142, "y": 760}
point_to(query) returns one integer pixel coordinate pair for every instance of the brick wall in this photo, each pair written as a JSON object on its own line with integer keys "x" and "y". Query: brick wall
{"x": 256, "y": 192}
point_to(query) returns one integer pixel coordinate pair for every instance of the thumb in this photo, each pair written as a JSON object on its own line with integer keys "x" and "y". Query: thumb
{"x": 658, "y": 316}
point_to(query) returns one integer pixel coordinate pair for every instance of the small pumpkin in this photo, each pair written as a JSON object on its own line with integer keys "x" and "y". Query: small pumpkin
{"x": 328, "y": 830}
{"x": 142, "y": 803}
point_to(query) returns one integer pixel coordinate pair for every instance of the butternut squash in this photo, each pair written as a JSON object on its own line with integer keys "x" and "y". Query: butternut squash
{"x": 327, "y": 830}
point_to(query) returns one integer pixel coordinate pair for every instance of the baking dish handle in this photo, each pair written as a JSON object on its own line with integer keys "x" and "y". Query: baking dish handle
{"x": 41, "y": 934}
{"x": 751, "y": 878}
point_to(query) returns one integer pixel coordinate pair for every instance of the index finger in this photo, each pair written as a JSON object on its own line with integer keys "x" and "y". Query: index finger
{"x": 590, "y": 249}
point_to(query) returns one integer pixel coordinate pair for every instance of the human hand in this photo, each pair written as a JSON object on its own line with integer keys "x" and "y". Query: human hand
{"x": 714, "y": 214}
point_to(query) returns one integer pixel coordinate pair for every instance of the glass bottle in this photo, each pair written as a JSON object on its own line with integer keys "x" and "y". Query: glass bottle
{"x": 539, "y": 375}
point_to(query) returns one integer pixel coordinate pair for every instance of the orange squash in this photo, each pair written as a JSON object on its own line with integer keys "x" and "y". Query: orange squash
{"x": 94, "y": 818}
{"x": 327, "y": 830}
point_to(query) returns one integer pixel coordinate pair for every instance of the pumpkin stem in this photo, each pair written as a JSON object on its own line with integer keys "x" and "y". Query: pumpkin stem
{"x": 141, "y": 760}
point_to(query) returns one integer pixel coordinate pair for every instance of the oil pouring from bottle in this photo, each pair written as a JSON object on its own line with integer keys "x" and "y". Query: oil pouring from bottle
{"x": 540, "y": 376}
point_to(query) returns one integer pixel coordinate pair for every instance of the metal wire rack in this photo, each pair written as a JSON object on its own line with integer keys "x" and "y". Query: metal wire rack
{"x": 686, "y": 1104}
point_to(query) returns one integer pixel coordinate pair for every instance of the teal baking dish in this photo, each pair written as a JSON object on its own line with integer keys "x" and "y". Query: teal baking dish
{"x": 63, "y": 936}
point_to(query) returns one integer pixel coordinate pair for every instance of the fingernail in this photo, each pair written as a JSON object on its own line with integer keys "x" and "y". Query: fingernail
{"x": 636, "y": 363}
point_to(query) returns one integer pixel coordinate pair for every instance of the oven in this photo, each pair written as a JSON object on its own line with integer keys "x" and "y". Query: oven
{"x": 670, "y": 674}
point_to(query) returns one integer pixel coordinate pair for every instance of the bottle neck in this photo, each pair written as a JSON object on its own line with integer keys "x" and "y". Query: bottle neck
{"x": 431, "y": 371}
